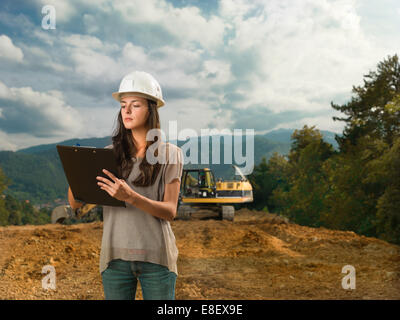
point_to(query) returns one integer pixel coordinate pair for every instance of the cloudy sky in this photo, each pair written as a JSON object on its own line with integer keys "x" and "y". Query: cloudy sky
{"x": 227, "y": 64}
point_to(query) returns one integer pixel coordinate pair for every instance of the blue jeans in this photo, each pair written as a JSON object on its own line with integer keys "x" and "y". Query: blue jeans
{"x": 120, "y": 280}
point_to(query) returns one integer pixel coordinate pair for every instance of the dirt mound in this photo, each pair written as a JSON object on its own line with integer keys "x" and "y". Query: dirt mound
{"x": 258, "y": 256}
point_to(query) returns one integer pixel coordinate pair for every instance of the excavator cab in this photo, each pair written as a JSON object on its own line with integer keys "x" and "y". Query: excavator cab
{"x": 198, "y": 183}
{"x": 199, "y": 190}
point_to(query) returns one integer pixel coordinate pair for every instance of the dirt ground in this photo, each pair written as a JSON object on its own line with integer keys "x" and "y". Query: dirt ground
{"x": 258, "y": 256}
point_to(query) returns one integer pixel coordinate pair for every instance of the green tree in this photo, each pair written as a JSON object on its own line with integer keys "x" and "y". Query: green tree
{"x": 351, "y": 202}
{"x": 265, "y": 178}
{"x": 29, "y": 214}
{"x": 370, "y": 110}
{"x": 302, "y": 202}
{"x": 15, "y": 218}
{"x": 258, "y": 179}
{"x": 363, "y": 197}
{"x": 278, "y": 170}
{"x": 3, "y": 213}
{"x": 44, "y": 216}
{"x": 384, "y": 174}
{"x": 13, "y": 207}
{"x": 4, "y": 183}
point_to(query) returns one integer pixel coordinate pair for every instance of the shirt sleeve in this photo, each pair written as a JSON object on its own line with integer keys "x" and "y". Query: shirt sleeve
{"x": 174, "y": 166}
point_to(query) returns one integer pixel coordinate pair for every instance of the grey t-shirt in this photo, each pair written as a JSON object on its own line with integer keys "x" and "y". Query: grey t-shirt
{"x": 135, "y": 235}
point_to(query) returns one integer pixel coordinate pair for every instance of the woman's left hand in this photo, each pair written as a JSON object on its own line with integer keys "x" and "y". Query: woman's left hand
{"x": 116, "y": 188}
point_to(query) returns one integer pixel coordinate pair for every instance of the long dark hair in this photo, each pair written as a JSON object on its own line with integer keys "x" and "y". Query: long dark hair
{"x": 124, "y": 149}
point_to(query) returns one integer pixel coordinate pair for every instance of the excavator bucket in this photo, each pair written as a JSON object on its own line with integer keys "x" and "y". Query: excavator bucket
{"x": 61, "y": 213}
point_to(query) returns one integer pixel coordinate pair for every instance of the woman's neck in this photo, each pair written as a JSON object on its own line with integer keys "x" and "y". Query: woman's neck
{"x": 139, "y": 140}
{"x": 140, "y": 153}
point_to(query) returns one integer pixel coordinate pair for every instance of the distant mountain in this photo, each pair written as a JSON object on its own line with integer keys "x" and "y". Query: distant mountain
{"x": 284, "y": 136}
{"x": 93, "y": 142}
{"x": 37, "y": 174}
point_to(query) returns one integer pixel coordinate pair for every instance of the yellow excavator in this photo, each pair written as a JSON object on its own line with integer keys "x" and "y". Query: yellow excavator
{"x": 199, "y": 190}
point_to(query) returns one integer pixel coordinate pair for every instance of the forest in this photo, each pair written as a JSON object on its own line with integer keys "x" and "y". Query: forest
{"x": 356, "y": 188}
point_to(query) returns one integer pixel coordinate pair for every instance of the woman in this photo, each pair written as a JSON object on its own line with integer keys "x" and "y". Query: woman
{"x": 138, "y": 242}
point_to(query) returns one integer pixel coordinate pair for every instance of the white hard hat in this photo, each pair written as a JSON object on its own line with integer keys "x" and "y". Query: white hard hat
{"x": 140, "y": 84}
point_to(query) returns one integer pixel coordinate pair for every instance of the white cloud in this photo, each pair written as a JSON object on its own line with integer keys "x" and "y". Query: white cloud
{"x": 216, "y": 72}
{"x": 9, "y": 51}
{"x": 38, "y": 56}
{"x": 4, "y": 91}
{"x": 132, "y": 54}
{"x": 187, "y": 59}
{"x": 172, "y": 67}
{"x": 190, "y": 113}
{"x": 186, "y": 24}
{"x": 6, "y": 144}
{"x": 320, "y": 122}
{"x": 93, "y": 64}
{"x": 83, "y": 41}
{"x": 38, "y": 52}
{"x": 89, "y": 55}
{"x": 44, "y": 36}
{"x": 15, "y": 142}
{"x": 104, "y": 118}
{"x": 42, "y": 114}
{"x": 306, "y": 52}
{"x": 90, "y": 23}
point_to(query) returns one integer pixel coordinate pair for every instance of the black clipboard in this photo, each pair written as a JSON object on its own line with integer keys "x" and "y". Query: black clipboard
{"x": 81, "y": 167}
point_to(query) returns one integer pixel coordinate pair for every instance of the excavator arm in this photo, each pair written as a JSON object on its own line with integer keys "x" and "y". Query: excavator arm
{"x": 80, "y": 212}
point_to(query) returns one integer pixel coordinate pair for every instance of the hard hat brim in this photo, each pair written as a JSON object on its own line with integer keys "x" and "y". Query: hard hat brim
{"x": 117, "y": 96}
